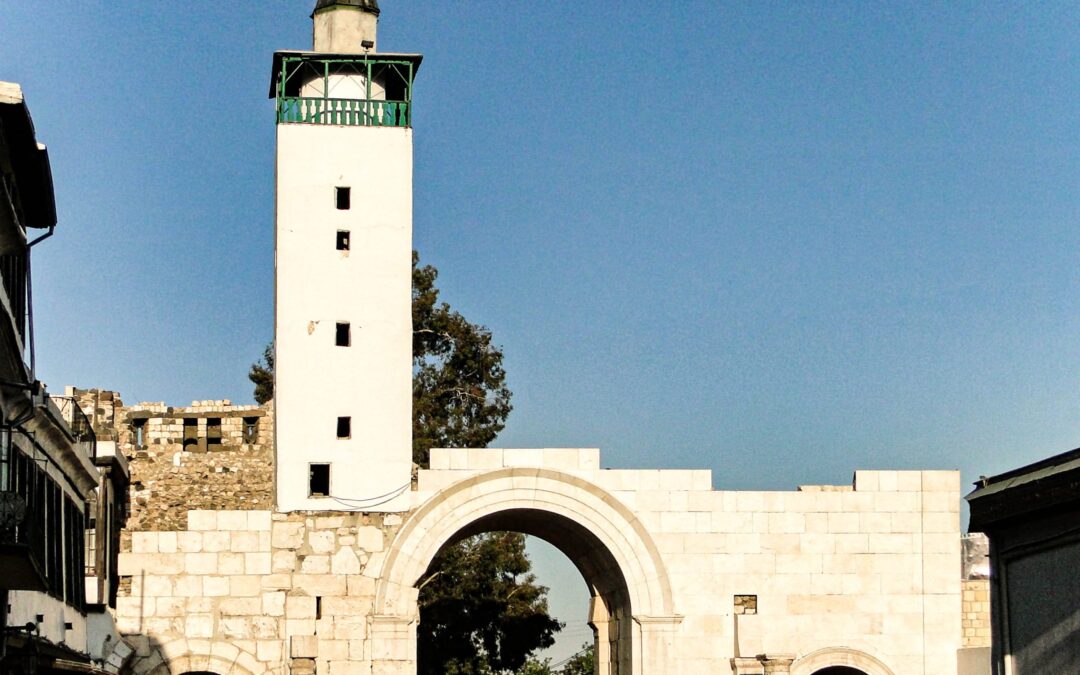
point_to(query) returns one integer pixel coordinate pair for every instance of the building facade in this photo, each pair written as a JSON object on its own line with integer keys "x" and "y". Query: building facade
{"x": 60, "y": 490}
{"x": 1031, "y": 516}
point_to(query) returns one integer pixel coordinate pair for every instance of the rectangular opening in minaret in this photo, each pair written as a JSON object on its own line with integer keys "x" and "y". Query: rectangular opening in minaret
{"x": 344, "y": 427}
{"x": 342, "y": 334}
{"x": 343, "y": 196}
{"x": 319, "y": 480}
{"x": 343, "y": 240}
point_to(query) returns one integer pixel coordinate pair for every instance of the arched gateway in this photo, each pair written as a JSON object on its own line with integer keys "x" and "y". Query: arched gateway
{"x": 631, "y": 609}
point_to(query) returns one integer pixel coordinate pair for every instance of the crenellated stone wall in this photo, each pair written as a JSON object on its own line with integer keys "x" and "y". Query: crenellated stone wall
{"x": 209, "y": 455}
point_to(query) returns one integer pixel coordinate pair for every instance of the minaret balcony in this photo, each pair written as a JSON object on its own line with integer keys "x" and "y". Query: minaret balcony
{"x": 343, "y": 112}
{"x": 369, "y": 90}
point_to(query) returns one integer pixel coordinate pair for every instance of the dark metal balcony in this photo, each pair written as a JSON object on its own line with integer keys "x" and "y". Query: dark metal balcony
{"x": 23, "y": 489}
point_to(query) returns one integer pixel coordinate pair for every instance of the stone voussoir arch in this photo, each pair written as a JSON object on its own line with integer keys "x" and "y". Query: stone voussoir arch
{"x": 839, "y": 656}
{"x": 451, "y": 510}
{"x": 198, "y": 656}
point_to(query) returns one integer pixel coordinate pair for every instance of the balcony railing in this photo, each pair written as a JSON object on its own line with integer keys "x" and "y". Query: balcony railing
{"x": 343, "y": 112}
{"x": 23, "y": 490}
{"x": 81, "y": 428}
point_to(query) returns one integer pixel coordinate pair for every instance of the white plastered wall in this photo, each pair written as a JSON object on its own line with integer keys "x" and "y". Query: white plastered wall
{"x": 370, "y": 288}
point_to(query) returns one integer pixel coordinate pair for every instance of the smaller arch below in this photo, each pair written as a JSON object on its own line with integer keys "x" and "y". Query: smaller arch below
{"x": 218, "y": 657}
{"x": 839, "y": 661}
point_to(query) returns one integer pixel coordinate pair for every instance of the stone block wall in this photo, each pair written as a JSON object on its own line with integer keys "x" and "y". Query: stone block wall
{"x": 218, "y": 582}
{"x": 270, "y": 592}
{"x": 976, "y": 591}
{"x": 976, "y": 613}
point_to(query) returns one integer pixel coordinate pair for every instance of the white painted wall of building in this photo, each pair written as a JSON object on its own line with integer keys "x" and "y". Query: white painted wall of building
{"x": 27, "y": 605}
{"x": 370, "y": 287}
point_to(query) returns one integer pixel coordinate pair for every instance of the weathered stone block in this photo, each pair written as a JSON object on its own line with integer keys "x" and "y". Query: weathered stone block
{"x": 283, "y": 561}
{"x": 370, "y": 539}
{"x": 345, "y": 562}
{"x": 303, "y": 646}
{"x": 287, "y": 535}
{"x": 202, "y": 520}
{"x": 215, "y": 586}
{"x": 232, "y": 520}
{"x": 200, "y": 563}
{"x": 324, "y": 585}
{"x": 299, "y": 607}
{"x": 257, "y": 563}
{"x": 321, "y": 541}
{"x": 273, "y": 603}
{"x": 245, "y": 586}
{"x": 199, "y": 626}
{"x": 230, "y": 563}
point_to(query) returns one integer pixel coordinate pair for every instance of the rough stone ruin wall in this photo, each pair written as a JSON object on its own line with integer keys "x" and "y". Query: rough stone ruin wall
{"x": 209, "y": 455}
{"x": 975, "y": 598}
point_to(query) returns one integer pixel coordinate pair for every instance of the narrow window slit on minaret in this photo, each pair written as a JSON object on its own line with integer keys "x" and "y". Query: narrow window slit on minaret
{"x": 344, "y": 427}
{"x": 342, "y": 334}
{"x": 343, "y": 240}
{"x": 344, "y": 197}
{"x": 319, "y": 480}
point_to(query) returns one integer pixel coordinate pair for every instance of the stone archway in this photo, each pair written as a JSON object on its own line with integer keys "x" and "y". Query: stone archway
{"x": 217, "y": 656}
{"x": 632, "y": 612}
{"x": 839, "y": 657}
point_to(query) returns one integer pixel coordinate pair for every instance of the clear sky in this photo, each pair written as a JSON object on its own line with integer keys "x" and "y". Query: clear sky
{"x": 778, "y": 240}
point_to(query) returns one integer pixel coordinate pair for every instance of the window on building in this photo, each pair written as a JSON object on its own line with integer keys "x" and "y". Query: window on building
{"x": 342, "y": 334}
{"x": 213, "y": 432}
{"x": 343, "y": 240}
{"x": 138, "y": 431}
{"x": 251, "y": 429}
{"x": 54, "y": 561}
{"x": 318, "y": 480}
{"x": 74, "y": 560}
{"x": 91, "y": 538}
{"x": 343, "y": 198}
{"x": 344, "y": 427}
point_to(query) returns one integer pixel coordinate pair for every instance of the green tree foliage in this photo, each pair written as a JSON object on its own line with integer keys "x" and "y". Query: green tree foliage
{"x": 262, "y": 376}
{"x": 481, "y": 610}
{"x": 582, "y": 663}
{"x": 533, "y": 667}
{"x": 460, "y": 398}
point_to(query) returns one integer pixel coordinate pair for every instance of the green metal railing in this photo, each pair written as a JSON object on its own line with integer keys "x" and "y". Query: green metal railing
{"x": 343, "y": 112}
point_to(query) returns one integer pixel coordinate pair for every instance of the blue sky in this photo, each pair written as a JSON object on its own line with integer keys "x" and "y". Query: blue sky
{"x": 778, "y": 240}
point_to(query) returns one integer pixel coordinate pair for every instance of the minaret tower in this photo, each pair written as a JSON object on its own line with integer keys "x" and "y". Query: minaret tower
{"x": 343, "y": 316}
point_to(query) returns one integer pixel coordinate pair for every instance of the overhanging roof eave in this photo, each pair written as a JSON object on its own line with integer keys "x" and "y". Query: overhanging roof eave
{"x": 414, "y": 59}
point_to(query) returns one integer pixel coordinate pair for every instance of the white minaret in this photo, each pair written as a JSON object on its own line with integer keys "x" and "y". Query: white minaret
{"x": 343, "y": 316}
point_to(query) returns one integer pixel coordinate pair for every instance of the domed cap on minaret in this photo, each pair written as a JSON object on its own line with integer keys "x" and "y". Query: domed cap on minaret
{"x": 371, "y": 6}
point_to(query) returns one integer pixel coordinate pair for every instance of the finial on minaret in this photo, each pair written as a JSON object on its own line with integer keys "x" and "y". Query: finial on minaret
{"x": 345, "y": 26}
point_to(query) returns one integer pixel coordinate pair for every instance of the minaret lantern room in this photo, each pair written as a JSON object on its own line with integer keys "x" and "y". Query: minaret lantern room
{"x": 343, "y": 316}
